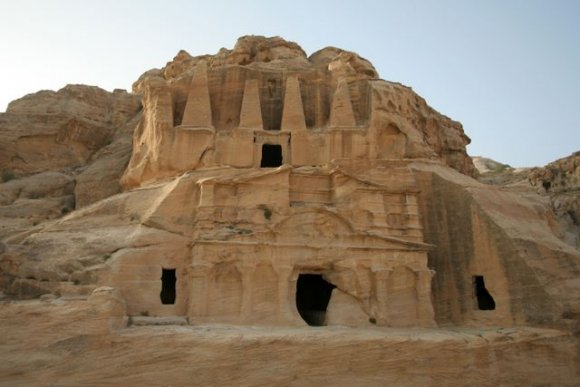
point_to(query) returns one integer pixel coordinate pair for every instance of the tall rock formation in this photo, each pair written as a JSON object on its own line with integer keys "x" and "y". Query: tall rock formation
{"x": 265, "y": 187}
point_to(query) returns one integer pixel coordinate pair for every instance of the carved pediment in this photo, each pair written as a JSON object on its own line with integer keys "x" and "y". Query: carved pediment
{"x": 318, "y": 228}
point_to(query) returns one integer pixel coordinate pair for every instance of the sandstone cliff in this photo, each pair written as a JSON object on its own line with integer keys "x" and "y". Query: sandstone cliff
{"x": 263, "y": 187}
{"x": 557, "y": 181}
{"x": 405, "y": 125}
{"x": 62, "y": 150}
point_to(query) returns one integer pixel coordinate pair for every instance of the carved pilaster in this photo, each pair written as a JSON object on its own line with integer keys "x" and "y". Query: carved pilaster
{"x": 425, "y": 312}
{"x": 382, "y": 295}
{"x": 247, "y": 269}
{"x": 199, "y": 290}
{"x": 285, "y": 299}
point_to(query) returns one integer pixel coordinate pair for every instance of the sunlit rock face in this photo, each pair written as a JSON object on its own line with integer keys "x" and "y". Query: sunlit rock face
{"x": 220, "y": 110}
{"x": 266, "y": 187}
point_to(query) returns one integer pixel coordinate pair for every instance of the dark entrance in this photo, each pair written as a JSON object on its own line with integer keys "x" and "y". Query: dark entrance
{"x": 484, "y": 299}
{"x": 168, "y": 280}
{"x": 271, "y": 156}
{"x": 312, "y": 297}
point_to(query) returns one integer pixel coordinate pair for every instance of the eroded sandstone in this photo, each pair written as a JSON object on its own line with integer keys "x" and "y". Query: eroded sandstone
{"x": 267, "y": 188}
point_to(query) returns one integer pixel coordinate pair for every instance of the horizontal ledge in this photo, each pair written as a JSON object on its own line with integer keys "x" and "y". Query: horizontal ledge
{"x": 407, "y": 246}
{"x": 195, "y": 128}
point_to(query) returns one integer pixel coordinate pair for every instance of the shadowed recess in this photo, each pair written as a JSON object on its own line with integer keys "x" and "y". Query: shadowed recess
{"x": 271, "y": 156}
{"x": 168, "y": 280}
{"x": 312, "y": 297}
{"x": 484, "y": 299}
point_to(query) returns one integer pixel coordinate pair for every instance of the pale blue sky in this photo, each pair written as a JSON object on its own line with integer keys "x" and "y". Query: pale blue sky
{"x": 508, "y": 70}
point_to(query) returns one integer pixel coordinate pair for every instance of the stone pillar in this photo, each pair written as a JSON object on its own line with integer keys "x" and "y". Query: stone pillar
{"x": 335, "y": 148}
{"x": 198, "y": 107}
{"x": 341, "y": 112}
{"x": 425, "y": 314}
{"x": 285, "y": 299}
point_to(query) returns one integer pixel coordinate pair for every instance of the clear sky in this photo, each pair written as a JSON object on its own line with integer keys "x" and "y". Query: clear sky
{"x": 509, "y": 70}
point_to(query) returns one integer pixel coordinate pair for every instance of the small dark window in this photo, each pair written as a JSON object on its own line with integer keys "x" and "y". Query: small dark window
{"x": 271, "y": 156}
{"x": 484, "y": 299}
{"x": 168, "y": 280}
{"x": 312, "y": 298}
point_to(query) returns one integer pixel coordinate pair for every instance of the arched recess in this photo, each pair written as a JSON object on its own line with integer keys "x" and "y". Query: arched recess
{"x": 313, "y": 294}
{"x": 264, "y": 294}
{"x": 391, "y": 142}
{"x": 225, "y": 291}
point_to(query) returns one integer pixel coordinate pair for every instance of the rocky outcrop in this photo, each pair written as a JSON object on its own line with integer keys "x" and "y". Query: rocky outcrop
{"x": 397, "y": 123}
{"x": 75, "y": 143}
{"x": 55, "y": 130}
{"x": 485, "y": 165}
{"x": 266, "y": 187}
{"x": 510, "y": 239}
{"x": 560, "y": 181}
{"x": 557, "y": 181}
{"x": 31, "y": 200}
{"x": 100, "y": 178}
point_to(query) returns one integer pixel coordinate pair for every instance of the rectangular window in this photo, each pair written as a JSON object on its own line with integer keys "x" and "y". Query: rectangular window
{"x": 168, "y": 280}
{"x": 271, "y": 156}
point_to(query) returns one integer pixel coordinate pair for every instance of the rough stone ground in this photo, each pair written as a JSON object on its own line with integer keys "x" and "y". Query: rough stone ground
{"x": 67, "y": 342}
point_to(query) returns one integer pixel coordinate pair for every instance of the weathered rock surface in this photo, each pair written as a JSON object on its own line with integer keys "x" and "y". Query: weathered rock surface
{"x": 559, "y": 181}
{"x": 55, "y": 130}
{"x": 100, "y": 178}
{"x": 510, "y": 238}
{"x": 61, "y": 342}
{"x": 485, "y": 165}
{"x": 62, "y": 150}
{"x": 274, "y": 190}
{"x": 392, "y": 120}
{"x": 30, "y": 200}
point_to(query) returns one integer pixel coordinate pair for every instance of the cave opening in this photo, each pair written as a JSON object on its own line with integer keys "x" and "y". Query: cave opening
{"x": 271, "y": 156}
{"x": 547, "y": 185}
{"x": 168, "y": 280}
{"x": 312, "y": 297}
{"x": 485, "y": 300}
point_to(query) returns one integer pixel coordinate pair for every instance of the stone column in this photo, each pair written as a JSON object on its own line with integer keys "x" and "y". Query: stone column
{"x": 247, "y": 269}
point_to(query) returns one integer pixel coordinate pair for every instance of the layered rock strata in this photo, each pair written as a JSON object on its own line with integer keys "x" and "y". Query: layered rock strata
{"x": 266, "y": 187}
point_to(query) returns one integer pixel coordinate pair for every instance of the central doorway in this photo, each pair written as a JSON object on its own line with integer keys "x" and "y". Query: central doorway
{"x": 312, "y": 296}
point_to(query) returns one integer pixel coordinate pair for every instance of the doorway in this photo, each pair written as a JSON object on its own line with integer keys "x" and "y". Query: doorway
{"x": 485, "y": 300}
{"x": 312, "y": 297}
{"x": 168, "y": 280}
